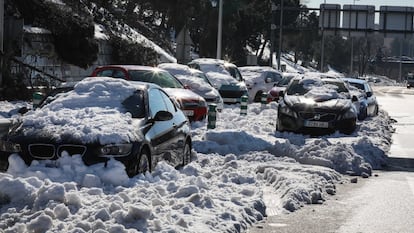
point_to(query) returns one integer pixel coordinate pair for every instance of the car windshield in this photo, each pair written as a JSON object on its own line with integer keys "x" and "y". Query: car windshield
{"x": 161, "y": 78}
{"x": 297, "y": 87}
{"x": 284, "y": 81}
{"x": 234, "y": 72}
{"x": 52, "y": 95}
{"x": 358, "y": 85}
{"x": 203, "y": 76}
{"x": 134, "y": 104}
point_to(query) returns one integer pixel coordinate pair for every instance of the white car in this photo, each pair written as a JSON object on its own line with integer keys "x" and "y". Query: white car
{"x": 259, "y": 80}
{"x": 367, "y": 102}
{"x": 224, "y": 76}
{"x": 196, "y": 81}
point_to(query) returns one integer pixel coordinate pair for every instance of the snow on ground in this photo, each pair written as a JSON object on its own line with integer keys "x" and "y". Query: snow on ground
{"x": 234, "y": 167}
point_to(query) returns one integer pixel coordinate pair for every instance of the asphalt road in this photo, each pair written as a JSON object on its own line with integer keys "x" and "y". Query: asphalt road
{"x": 384, "y": 203}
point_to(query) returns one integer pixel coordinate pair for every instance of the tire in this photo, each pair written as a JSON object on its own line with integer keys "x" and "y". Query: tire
{"x": 258, "y": 97}
{"x": 279, "y": 126}
{"x": 186, "y": 153}
{"x": 376, "y": 111}
{"x": 141, "y": 165}
{"x": 363, "y": 115}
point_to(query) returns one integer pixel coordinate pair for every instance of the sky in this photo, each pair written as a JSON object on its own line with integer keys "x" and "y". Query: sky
{"x": 376, "y": 3}
{"x": 241, "y": 171}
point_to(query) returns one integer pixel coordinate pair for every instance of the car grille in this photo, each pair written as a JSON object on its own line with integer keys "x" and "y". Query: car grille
{"x": 231, "y": 94}
{"x": 50, "y": 151}
{"x": 317, "y": 116}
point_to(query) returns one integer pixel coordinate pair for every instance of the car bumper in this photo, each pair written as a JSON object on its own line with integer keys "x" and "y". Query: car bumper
{"x": 196, "y": 114}
{"x": 300, "y": 125}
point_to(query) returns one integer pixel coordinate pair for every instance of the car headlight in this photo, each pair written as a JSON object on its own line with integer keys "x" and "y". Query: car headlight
{"x": 288, "y": 111}
{"x": 10, "y": 147}
{"x": 115, "y": 150}
{"x": 351, "y": 113}
{"x": 217, "y": 99}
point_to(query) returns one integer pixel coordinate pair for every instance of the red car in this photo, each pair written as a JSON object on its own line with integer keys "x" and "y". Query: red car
{"x": 192, "y": 104}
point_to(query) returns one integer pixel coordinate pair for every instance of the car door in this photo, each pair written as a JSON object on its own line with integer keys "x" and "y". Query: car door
{"x": 166, "y": 137}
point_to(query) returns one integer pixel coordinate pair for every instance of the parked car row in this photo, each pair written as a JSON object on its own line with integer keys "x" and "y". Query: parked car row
{"x": 150, "y": 109}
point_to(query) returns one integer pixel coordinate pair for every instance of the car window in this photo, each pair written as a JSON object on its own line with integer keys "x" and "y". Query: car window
{"x": 163, "y": 79}
{"x": 171, "y": 107}
{"x": 119, "y": 74}
{"x": 135, "y": 104}
{"x": 105, "y": 73}
{"x": 156, "y": 102}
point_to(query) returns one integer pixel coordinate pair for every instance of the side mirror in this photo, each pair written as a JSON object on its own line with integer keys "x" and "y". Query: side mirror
{"x": 23, "y": 110}
{"x": 369, "y": 94}
{"x": 163, "y": 116}
{"x": 268, "y": 80}
{"x": 354, "y": 99}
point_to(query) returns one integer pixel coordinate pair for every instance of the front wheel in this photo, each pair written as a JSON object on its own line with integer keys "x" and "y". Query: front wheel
{"x": 141, "y": 165}
{"x": 186, "y": 154}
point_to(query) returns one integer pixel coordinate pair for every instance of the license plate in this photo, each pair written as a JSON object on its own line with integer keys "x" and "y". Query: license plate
{"x": 188, "y": 112}
{"x": 231, "y": 100}
{"x": 316, "y": 124}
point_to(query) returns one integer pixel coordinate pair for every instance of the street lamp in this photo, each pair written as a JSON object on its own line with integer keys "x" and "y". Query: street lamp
{"x": 220, "y": 26}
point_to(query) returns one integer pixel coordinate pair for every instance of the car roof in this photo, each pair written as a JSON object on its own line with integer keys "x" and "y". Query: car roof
{"x": 131, "y": 67}
{"x": 212, "y": 61}
{"x": 137, "y": 84}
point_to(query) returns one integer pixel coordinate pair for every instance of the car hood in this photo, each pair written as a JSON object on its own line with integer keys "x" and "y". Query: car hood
{"x": 300, "y": 103}
{"x": 199, "y": 86}
{"x": 219, "y": 79}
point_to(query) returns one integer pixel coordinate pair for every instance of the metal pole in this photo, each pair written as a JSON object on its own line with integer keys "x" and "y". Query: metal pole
{"x": 280, "y": 36}
{"x": 272, "y": 34}
{"x": 352, "y": 56}
{"x": 1, "y": 40}
{"x": 219, "y": 30}
{"x": 400, "y": 67}
{"x": 323, "y": 37}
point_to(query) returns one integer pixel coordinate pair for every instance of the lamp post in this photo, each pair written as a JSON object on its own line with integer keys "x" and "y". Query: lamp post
{"x": 279, "y": 54}
{"x": 323, "y": 36}
{"x": 219, "y": 30}
{"x": 219, "y": 26}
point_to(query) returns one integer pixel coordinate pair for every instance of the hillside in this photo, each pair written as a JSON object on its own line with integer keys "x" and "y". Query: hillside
{"x": 73, "y": 27}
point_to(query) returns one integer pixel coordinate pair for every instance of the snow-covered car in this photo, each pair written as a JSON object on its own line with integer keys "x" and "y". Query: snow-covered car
{"x": 410, "y": 80}
{"x": 100, "y": 119}
{"x": 196, "y": 81}
{"x": 192, "y": 104}
{"x": 316, "y": 105}
{"x": 224, "y": 76}
{"x": 259, "y": 80}
{"x": 367, "y": 104}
